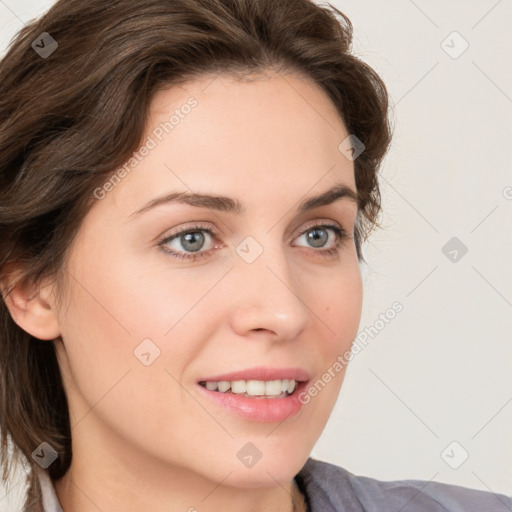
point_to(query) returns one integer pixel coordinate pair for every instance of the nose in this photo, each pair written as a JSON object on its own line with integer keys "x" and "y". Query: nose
{"x": 268, "y": 298}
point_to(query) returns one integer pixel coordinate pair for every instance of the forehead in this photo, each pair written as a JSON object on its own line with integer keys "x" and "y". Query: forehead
{"x": 269, "y": 135}
{"x": 255, "y": 103}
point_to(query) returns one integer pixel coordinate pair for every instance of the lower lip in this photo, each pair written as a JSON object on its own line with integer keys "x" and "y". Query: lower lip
{"x": 266, "y": 410}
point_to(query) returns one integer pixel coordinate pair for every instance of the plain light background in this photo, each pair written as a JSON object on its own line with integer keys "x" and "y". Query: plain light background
{"x": 434, "y": 385}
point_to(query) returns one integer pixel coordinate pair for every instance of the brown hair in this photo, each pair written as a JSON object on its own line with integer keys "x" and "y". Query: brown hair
{"x": 69, "y": 118}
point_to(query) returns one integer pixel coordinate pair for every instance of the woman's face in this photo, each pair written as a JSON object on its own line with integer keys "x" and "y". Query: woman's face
{"x": 145, "y": 326}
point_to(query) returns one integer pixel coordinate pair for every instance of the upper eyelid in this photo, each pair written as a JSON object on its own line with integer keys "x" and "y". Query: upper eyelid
{"x": 196, "y": 226}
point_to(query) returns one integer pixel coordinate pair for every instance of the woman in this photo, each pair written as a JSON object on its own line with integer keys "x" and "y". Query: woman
{"x": 186, "y": 185}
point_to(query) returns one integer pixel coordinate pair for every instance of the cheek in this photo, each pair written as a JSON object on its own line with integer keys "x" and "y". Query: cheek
{"x": 341, "y": 301}
{"x": 101, "y": 328}
{"x": 120, "y": 318}
{"x": 341, "y": 298}
{"x": 117, "y": 304}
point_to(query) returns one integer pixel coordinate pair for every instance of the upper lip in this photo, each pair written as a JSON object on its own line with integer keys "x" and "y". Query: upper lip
{"x": 261, "y": 373}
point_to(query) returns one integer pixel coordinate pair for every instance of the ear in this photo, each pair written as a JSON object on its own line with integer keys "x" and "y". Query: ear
{"x": 31, "y": 307}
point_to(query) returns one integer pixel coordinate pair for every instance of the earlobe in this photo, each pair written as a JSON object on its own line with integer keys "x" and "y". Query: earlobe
{"x": 31, "y": 309}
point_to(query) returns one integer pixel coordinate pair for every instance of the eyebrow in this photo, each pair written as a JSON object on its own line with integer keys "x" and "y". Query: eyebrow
{"x": 230, "y": 205}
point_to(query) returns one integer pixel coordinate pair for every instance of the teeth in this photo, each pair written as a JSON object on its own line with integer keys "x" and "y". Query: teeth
{"x": 223, "y": 385}
{"x": 238, "y": 386}
{"x": 212, "y": 386}
{"x": 253, "y": 387}
{"x": 273, "y": 387}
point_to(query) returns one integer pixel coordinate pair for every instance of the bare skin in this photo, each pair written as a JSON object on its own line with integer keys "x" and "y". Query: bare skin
{"x": 144, "y": 437}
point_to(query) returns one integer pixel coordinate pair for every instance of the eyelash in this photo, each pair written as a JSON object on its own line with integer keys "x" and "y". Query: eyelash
{"x": 341, "y": 235}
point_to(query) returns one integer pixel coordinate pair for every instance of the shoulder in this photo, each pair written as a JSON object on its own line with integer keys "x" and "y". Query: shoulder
{"x": 330, "y": 488}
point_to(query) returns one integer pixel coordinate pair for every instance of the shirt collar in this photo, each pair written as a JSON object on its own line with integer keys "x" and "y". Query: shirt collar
{"x": 48, "y": 494}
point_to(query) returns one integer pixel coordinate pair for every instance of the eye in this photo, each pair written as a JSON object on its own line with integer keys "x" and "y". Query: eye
{"x": 190, "y": 239}
{"x": 189, "y": 242}
{"x": 318, "y": 235}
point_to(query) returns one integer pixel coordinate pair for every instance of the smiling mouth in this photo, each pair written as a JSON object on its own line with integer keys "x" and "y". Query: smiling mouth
{"x": 280, "y": 388}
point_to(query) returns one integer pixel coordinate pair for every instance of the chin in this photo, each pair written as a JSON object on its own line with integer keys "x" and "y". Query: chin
{"x": 279, "y": 464}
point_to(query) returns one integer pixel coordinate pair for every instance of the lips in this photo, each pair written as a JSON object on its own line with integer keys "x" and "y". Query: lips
{"x": 257, "y": 408}
{"x": 261, "y": 373}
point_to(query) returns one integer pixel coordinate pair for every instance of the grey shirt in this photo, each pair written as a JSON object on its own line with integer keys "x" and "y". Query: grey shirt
{"x": 330, "y": 488}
